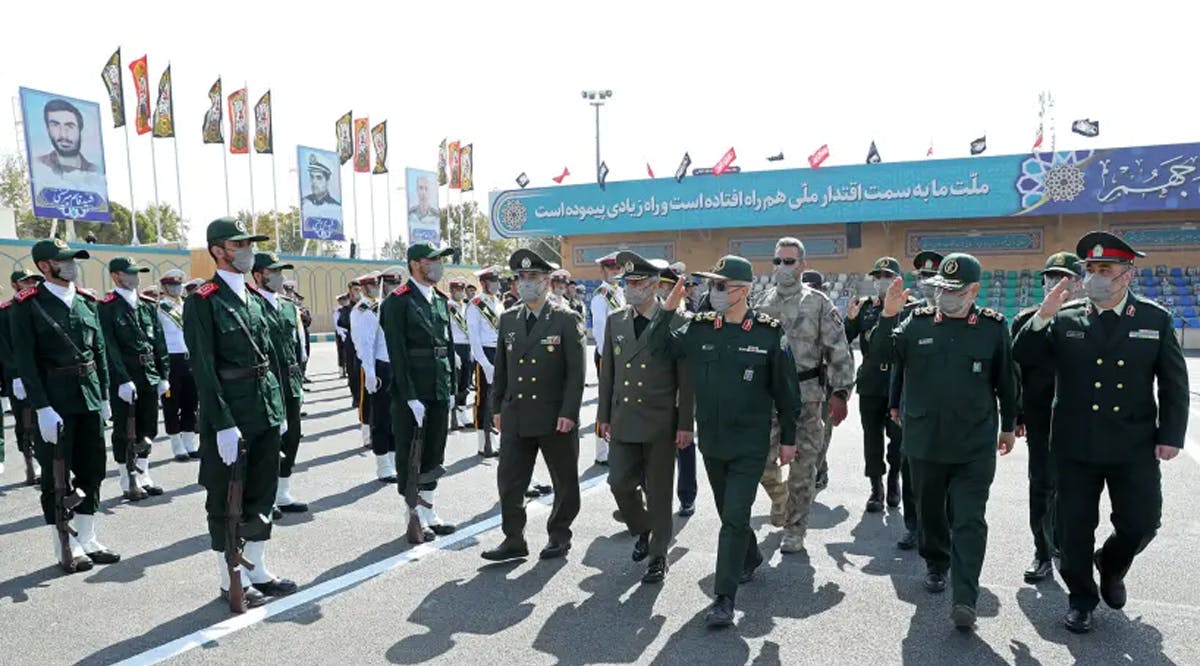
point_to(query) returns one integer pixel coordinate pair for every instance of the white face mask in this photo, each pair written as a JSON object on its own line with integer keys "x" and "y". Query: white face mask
{"x": 881, "y": 285}
{"x": 491, "y": 287}
{"x": 1100, "y": 288}
{"x": 638, "y": 292}
{"x": 433, "y": 271}
{"x": 274, "y": 282}
{"x": 67, "y": 270}
{"x": 131, "y": 282}
{"x": 531, "y": 290}
{"x": 243, "y": 259}
{"x": 954, "y": 303}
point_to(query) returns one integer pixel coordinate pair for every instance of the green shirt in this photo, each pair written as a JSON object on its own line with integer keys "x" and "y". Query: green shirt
{"x": 284, "y": 324}
{"x": 133, "y": 335}
{"x": 46, "y": 334}
{"x": 419, "y": 344}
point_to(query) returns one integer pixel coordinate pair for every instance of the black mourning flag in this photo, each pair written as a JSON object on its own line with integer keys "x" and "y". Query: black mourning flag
{"x": 775, "y": 158}
{"x": 683, "y": 167}
{"x": 979, "y": 145}
{"x": 602, "y": 174}
{"x": 873, "y": 155}
{"x": 522, "y": 180}
{"x": 1086, "y": 127}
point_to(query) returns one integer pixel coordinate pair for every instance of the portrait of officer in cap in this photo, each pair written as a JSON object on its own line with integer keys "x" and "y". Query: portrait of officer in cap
{"x": 318, "y": 182}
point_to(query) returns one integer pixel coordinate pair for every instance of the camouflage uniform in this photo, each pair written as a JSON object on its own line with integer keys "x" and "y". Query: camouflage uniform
{"x": 817, "y": 342}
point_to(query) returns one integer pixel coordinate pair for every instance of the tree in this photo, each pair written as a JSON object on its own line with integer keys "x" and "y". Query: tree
{"x": 476, "y": 244}
{"x": 396, "y": 249}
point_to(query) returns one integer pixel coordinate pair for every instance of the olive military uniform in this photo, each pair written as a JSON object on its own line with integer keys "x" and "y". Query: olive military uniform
{"x": 283, "y": 319}
{"x": 9, "y": 372}
{"x": 1106, "y": 423}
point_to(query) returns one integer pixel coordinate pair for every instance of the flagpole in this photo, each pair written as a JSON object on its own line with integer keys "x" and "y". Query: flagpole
{"x": 275, "y": 195}
{"x": 371, "y": 190}
{"x": 225, "y": 160}
{"x": 178, "y": 183}
{"x": 354, "y": 186}
{"x": 387, "y": 182}
{"x": 132, "y": 204}
{"x": 157, "y": 217}
{"x": 250, "y": 162}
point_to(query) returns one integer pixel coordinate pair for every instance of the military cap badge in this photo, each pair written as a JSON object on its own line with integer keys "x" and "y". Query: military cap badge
{"x": 525, "y": 263}
{"x": 950, "y": 267}
{"x": 1098, "y": 251}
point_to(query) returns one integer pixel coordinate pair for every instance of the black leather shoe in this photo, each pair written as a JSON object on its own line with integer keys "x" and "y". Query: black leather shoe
{"x": 294, "y": 507}
{"x": 194, "y": 455}
{"x": 543, "y": 488}
{"x": 935, "y": 582}
{"x": 134, "y": 495}
{"x": 387, "y": 479}
{"x": 1039, "y": 570}
{"x": 182, "y": 457}
{"x": 554, "y": 550}
{"x": 720, "y": 613}
{"x": 104, "y": 556}
{"x": 908, "y": 541}
{"x": 875, "y": 499}
{"x": 1112, "y": 588}
{"x": 963, "y": 617}
{"x": 280, "y": 587}
{"x": 79, "y": 564}
{"x": 656, "y": 571}
{"x": 822, "y": 480}
{"x": 1078, "y": 621}
{"x": 506, "y": 551}
{"x": 686, "y": 510}
{"x": 153, "y": 491}
{"x": 641, "y": 549}
{"x": 276, "y": 513}
{"x": 443, "y": 529}
{"x": 532, "y": 492}
{"x": 618, "y": 516}
{"x": 893, "y": 489}
{"x": 748, "y": 570}
{"x": 250, "y": 596}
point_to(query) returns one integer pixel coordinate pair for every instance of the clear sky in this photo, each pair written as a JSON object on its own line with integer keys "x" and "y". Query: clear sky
{"x": 696, "y": 76}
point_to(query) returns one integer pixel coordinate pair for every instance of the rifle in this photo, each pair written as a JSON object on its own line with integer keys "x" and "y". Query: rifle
{"x": 412, "y": 497}
{"x": 238, "y": 531}
{"x": 132, "y": 451}
{"x": 65, "y": 502}
{"x": 26, "y": 444}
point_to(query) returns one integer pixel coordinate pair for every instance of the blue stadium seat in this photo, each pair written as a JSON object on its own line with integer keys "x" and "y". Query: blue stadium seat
{"x": 1148, "y": 280}
{"x": 1193, "y": 322}
{"x": 1190, "y": 311}
{"x": 1176, "y": 271}
{"x": 1180, "y": 323}
{"x": 1187, "y": 300}
{"x": 1179, "y": 280}
{"x": 1151, "y": 291}
{"x": 1146, "y": 272}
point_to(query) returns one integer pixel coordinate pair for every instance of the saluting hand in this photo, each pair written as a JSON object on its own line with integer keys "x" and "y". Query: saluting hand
{"x": 1054, "y": 299}
{"x": 855, "y": 306}
{"x": 1006, "y": 442}
{"x": 896, "y": 298}
{"x": 675, "y": 297}
{"x": 1166, "y": 451}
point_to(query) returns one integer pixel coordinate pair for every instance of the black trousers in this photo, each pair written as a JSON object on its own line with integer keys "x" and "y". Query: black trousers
{"x": 483, "y": 393}
{"x": 82, "y": 442}
{"x": 686, "y": 488}
{"x": 145, "y": 418}
{"x": 353, "y": 378}
{"x": 952, "y": 506}
{"x": 18, "y": 410}
{"x": 341, "y": 351}
{"x": 876, "y": 421}
{"x": 734, "y": 485}
{"x": 261, "y": 480}
{"x": 433, "y": 445}
{"x": 1135, "y": 492}
{"x": 179, "y": 404}
{"x": 289, "y": 442}
{"x": 364, "y": 398}
{"x": 464, "y": 373}
{"x": 1042, "y": 483}
{"x": 381, "y": 404}
{"x": 518, "y": 455}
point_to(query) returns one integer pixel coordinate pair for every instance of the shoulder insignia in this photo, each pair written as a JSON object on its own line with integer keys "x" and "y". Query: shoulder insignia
{"x": 147, "y": 299}
{"x": 5, "y": 305}
{"x": 925, "y": 311}
{"x": 687, "y": 314}
{"x": 25, "y": 293}
{"x": 401, "y": 290}
{"x": 440, "y": 292}
{"x": 86, "y": 293}
{"x": 1142, "y": 300}
{"x": 706, "y": 316}
{"x": 992, "y": 314}
{"x": 363, "y": 305}
{"x": 768, "y": 320}
{"x": 1076, "y": 303}
{"x": 109, "y": 297}
{"x": 207, "y": 289}
{"x": 478, "y": 300}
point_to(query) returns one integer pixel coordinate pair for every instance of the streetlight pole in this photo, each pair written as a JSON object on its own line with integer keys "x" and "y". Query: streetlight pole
{"x": 597, "y": 98}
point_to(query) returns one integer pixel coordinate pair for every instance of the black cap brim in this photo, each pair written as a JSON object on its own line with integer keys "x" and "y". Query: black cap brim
{"x": 71, "y": 254}
{"x": 253, "y": 238}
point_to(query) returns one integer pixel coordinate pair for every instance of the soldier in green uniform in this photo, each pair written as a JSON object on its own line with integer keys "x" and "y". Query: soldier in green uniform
{"x": 956, "y": 365}
{"x": 415, "y": 318}
{"x": 645, "y": 412}
{"x": 284, "y": 320}
{"x": 228, "y": 333}
{"x": 1109, "y": 352}
{"x": 137, "y": 372}
{"x": 740, "y": 367}
{"x": 873, "y": 383}
{"x": 1033, "y": 423}
{"x": 20, "y": 280}
{"x": 59, "y": 354}
{"x": 540, "y": 352}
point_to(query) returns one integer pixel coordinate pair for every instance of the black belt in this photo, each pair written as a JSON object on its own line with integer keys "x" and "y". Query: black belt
{"x": 253, "y": 372}
{"x": 139, "y": 359}
{"x": 185, "y": 355}
{"x": 811, "y": 373}
{"x": 436, "y": 352}
{"x": 78, "y": 370}
{"x": 295, "y": 370}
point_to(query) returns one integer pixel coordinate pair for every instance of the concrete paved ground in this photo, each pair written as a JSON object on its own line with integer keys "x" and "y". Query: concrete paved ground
{"x": 368, "y": 598}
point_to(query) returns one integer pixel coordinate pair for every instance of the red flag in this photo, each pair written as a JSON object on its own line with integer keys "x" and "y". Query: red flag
{"x": 724, "y": 163}
{"x": 816, "y": 159}
{"x": 929, "y": 153}
{"x": 141, "y": 85}
{"x": 649, "y": 170}
{"x": 559, "y": 178}
{"x": 1038, "y": 141}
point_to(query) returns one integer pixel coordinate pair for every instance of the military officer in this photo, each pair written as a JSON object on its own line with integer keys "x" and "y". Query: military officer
{"x": 816, "y": 337}
{"x": 364, "y": 327}
{"x": 686, "y": 487}
{"x": 462, "y": 347}
{"x": 20, "y": 280}
{"x": 559, "y": 280}
{"x": 343, "y": 305}
{"x": 1110, "y": 351}
{"x": 925, "y": 266}
{"x": 739, "y": 367}
{"x": 372, "y": 347}
{"x": 319, "y": 175}
{"x": 228, "y": 334}
{"x": 137, "y": 370}
{"x": 178, "y": 404}
{"x": 59, "y": 353}
{"x": 541, "y": 353}
{"x": 353, "y": 367}
{"x": 574, "y": 301}
{"x": 483, "y": 321}
{"x": 873, "y": 384}
{"x": 607, "y": 298}
{"x": 1033, "y": 423}
{"x": 416, "y": 322}
{"x": 956, "y": 365}
{"x": 283, "y": 319}
{"x": 509, "y": 287}
{"x": 645, "y": 413}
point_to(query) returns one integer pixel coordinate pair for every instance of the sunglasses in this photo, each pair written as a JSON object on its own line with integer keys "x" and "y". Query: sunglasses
{"x": 786, "y": 262}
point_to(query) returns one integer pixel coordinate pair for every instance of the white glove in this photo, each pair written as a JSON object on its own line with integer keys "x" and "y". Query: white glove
{"x": 127, "y": 392}
{"x": 489, "y": 371}
{"x": 283, "y": 428}
{"x": 163, "y": 387}
{"x": 418, "y": 410}
{"x": 48, "y": 424}
{"x": 105, "y": 411}
{"x": 371, "y": 382}
{"x": 227, "y": 444}
{"x": 19, "y": 389}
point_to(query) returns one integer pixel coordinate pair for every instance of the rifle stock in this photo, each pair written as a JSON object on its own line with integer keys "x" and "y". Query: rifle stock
{"x": 64, "y": 504}
{"x": 234, "y": 533}
{"x": 412, "y": 497}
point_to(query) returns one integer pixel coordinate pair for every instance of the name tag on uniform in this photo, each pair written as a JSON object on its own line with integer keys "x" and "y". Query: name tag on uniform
{"x": 1144, "y": 334}
{"x": 708, "y": 346}
{"x": 977, "y": 367}
{"x": 1077, "y": 335}
{"x": 551, "y": 340}
{"x": 753, "y": 349}
{"x": 925, "y": 341}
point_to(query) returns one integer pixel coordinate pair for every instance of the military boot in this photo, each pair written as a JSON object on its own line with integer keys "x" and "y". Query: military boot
{"x": 875, "y": 499}
{"x": 893, "y": 487}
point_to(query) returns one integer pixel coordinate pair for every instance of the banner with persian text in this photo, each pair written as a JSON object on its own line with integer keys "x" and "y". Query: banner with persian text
{"x": 1147, "y": 178}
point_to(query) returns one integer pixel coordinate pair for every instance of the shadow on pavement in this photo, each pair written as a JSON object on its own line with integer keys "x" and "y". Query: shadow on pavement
{"x": 1115, "y": 637}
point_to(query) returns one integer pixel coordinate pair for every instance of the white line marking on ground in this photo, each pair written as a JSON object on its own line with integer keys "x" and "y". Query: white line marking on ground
{"x": 330, "y": 587}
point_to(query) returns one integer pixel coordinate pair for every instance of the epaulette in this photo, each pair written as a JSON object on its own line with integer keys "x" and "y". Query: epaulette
{"x": 6, "y": 304}
{"x": 401, "y": 290}
{"x": 1078, "y": 303}
{"x": 87, "y": 293}
{"x": 109, "y": 297}
{"x": 767, "y": 319}
{"x": 924, "y": 312}
{"x": 992, "y": 314}
{"x": 147, "y": 299}
{"x": 25, "y": 293}
{"x": 1142, "y": 300}
{"x": 478, "y": 300}
{"x": 207, "y": 289}
{"x": 706, "y": 316}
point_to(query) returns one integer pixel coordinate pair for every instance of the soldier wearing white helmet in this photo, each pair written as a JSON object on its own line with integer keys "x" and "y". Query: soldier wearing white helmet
{"x": 180, "y": 403}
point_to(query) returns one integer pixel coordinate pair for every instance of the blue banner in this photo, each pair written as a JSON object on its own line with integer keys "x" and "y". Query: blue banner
{"x": 1148, "y": 178}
